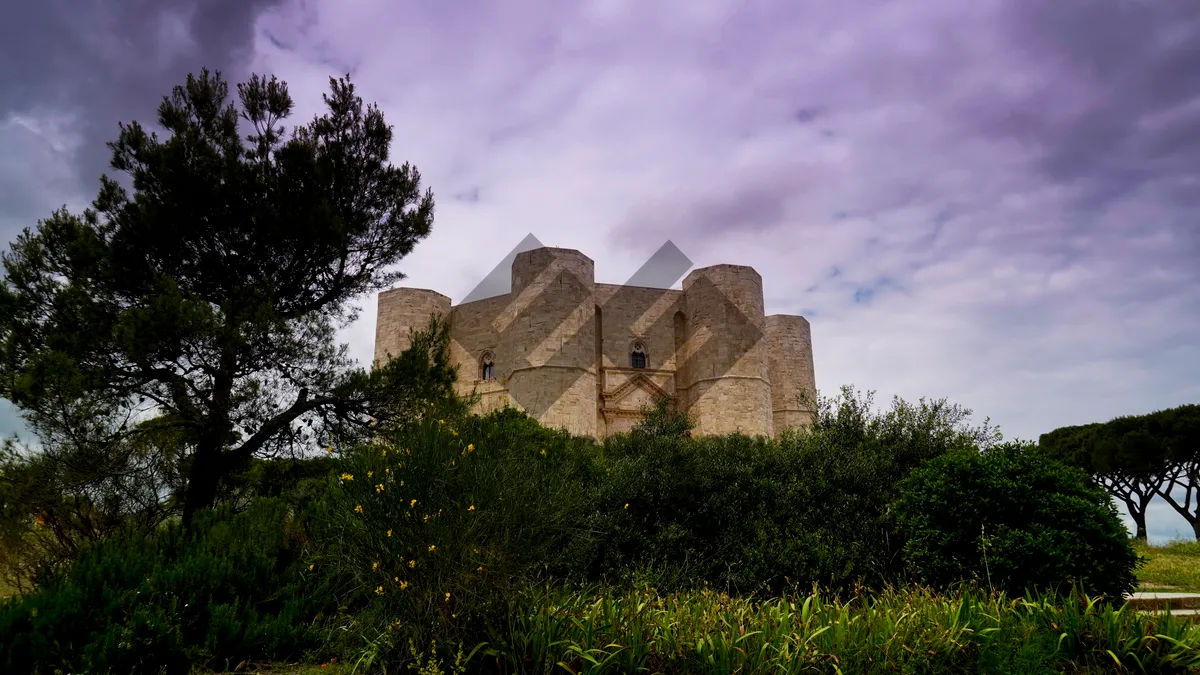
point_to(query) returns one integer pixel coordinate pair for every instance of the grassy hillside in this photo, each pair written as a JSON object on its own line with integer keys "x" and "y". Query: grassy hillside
{"x": 1174, "y": 567}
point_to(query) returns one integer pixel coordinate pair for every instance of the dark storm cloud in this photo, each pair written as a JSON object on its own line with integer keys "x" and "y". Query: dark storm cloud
{"x": 99, "y": 62}
{"x": 71, "y": 69}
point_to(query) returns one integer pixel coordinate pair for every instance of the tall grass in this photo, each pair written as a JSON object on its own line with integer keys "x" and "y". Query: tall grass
{"x": 909, "y": 630}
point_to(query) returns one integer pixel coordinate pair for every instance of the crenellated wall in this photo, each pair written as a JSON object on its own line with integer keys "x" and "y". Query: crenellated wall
{"x": 562, "y": 344}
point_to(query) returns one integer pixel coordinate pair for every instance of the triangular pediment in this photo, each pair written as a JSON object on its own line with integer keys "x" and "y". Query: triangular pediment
{"x": 635, "y": 392}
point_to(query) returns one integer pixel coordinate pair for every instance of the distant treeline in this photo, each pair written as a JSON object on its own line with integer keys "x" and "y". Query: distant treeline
{"x": 1139, "y": 457}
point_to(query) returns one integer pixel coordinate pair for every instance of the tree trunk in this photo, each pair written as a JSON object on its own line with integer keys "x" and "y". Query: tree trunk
{"x": 1139, "y": 517}
{"x": 203, "y": 478}
{"x": 1139, "y": 520}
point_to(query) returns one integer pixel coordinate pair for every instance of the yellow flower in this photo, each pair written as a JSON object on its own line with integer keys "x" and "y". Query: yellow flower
{"x": 329, "y": 450}
{"x": 310, "y": 568}
{"x": 389, "y": 533}
{"x": 347, "y": 476}
{"x": 403, "y": 585}
{"x": 454, "y": 432}
{"x": 626, "y": 506}
{"x": 385, "y": 452}
{"x": 543, "y": 452}
{"x": 470, "y": 447}
{"x": 432, "y": 548}
{"x": 447, "y": 597}
{"x": 401, "y": 483}
{"x": 479, "y": 569}
{"x": 412, "y": 564}
{"x": 396, "y": 579}
{"x": 427, "y": 517}
{"x": 388, "y": 470}
{"x": 471, "y": 507}
{"x": 379, "y": 590}
{"x": 451, "y": 462}
{"x": 412, "y": 503}
{"x": 358, "y": 509}
{"x": 374, "y": 565}
{"x": 379, "y": 488}
{"x": 441, "y": 421}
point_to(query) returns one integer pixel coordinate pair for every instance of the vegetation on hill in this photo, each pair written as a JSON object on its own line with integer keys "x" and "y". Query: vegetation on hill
{"x": 1173, "y": 567}
{"x": 216, "y": 485}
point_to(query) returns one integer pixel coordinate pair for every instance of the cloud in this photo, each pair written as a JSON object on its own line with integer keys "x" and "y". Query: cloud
{"x": 1009, "y": 192}
{"x": 71, "y": 71}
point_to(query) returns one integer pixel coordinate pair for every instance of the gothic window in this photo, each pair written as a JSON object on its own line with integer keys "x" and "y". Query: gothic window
{"x": 487, "y": 367}
{"x": 637, "y": 358}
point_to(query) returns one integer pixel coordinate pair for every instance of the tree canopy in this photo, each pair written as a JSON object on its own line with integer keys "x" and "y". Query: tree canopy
{"x": 1139, "y": 457}
{"x": 209, "y": 295}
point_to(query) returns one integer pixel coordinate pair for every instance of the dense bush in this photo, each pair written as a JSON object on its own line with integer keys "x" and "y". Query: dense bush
{"x": 442, "y": 521}
{"x": 1014, "y": 519}
{"x": 750, "y": 515}
{"x": 433, "y": 529}
{"x": 72, "y": 491}
{"x": 230, "y": 589}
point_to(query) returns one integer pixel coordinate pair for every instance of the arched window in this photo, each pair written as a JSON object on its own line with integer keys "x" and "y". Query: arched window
{"x": 637, "y": 357}
{"x": 487, "y": 367}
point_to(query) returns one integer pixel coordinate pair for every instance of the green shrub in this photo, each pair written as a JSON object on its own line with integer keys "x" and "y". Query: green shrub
{"x": 440, "y": 523}
{"x": 749, "y": 515}
{"x": 228, "y": 590}
{"x": 1015, "y": 519}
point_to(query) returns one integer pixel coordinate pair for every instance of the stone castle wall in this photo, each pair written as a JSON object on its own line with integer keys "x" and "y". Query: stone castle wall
{"x": 562, "y": 347}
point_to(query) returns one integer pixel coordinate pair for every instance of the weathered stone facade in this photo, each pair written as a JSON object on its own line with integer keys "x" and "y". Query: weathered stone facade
{"x": 588, "y": 357}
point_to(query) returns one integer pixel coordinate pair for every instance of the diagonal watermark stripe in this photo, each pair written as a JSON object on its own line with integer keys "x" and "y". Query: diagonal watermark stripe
{"x": 554, "y": 331}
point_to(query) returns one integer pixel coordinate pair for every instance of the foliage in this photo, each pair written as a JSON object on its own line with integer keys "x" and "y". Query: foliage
{"x": 441, "y": 521}
{"x": 212, "y": 295}
{"x": 1014, "y": 519}
{"x": 749, "y": 515}
{"x": 910, "y": 631}
{"x": 663, "y": 420}
{"x": 64, "y": 496}
{"x": 1138, "y": 457}
{"x": 230, "y": 588}
{"x": 1125, "y": 460}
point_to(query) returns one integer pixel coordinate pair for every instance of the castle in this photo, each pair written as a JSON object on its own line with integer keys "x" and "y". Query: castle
{"x": 589, "y": 357}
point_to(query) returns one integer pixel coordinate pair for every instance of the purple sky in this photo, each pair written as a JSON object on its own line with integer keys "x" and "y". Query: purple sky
{"x": 995, "y": 202}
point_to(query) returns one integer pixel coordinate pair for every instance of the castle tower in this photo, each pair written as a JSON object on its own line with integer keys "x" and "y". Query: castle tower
{"x": 402, "y": 310}
{"x": 727, "y": 367}
{"x": 549, "y": 334}
{"x": 793, "y": 383}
